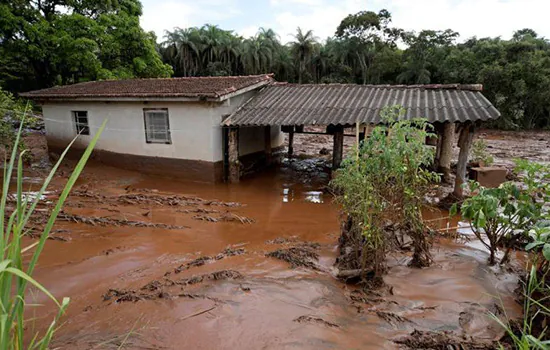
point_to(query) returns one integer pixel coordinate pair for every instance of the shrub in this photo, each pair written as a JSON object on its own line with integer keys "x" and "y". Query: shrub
{"x": 387, "y": 180}
{"x": 479, "y": 153}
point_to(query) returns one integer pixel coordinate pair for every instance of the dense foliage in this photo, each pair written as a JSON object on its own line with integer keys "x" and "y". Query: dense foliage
{"x": 385, "y": 182}
{"x": 51, "y": 42}
{"x": 366, "y": 49}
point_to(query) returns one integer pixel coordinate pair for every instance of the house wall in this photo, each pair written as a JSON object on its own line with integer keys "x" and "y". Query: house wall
{"x": 195, "y": 132}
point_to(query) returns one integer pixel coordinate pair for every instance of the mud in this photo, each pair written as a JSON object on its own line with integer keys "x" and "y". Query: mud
{"x": 241, "y": 298}
{"x": 299, "y": 256}
{"x": 444, "y": 341}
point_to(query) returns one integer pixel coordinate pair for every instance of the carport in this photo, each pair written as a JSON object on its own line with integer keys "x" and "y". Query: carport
{"x": 453, "y": 108}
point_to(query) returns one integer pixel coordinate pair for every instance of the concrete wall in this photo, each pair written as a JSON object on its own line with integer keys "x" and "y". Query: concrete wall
{"x": 195, "y": 128}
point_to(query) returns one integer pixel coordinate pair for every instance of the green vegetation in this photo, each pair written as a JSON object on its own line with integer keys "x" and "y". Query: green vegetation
{"x": 16, "y": 270}
{"x": 515, "y": 73}
{"x": 49, "y": 42}
{"x": 53, "y": 42}
{"x": 505, "y": 217}
{"x": 479, "y": 153}
{"x": 386, "y": 180}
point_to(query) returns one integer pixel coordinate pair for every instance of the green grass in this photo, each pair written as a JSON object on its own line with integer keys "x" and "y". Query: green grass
{"x": 15, "y": 276}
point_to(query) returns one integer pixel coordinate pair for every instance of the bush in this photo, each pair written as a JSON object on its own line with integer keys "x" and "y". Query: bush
{"x": 386, "y": 180}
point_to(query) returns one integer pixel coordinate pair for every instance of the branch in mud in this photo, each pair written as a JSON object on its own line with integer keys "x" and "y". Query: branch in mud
{"x": 157, "y": 289}
{"x": 226, "y": 217}
{"x": 303, "y": 255}
{"x": 104, "y": 221}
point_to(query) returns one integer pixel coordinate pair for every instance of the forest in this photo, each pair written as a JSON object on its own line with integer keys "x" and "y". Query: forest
{"x": 53, "y": 42}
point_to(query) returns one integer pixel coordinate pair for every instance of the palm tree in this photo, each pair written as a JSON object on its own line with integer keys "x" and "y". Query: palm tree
{"x": 302, "y": 49}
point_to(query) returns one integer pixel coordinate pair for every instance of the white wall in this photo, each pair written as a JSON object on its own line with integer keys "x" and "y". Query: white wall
{"x": 195, "y": 128}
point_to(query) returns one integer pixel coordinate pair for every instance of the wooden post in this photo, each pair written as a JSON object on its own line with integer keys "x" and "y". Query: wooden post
{"x": 267, "y": 139}
{"x": 446, "y": 151}
{"x": 464, "y": 142}
{"x": 290, "y": 142}
{"x": 338, "y": 147}
{"x": 233, "y": 147}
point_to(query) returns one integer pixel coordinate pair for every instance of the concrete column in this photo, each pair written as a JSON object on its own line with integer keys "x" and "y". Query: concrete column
{"x": 446, "y": 151}
{"x": 233, "y": 147}
{"x": 465, "y": 143}
{"x": 338, "y": 147}
{"x": 290, "y": 142}
{"x": 267, "y": 139}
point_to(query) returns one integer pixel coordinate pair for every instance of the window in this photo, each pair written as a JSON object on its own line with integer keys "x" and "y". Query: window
{"x": 81, "y": 122}
{"x": 157, "y": 127}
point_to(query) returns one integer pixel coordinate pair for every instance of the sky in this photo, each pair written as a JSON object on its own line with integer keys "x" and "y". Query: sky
{"x": 481, "y": 18}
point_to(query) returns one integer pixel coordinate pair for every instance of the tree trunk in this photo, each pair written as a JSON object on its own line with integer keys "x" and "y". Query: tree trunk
{"x": 290, "y": 144}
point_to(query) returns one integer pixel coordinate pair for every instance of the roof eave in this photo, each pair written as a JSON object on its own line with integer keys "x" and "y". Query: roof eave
{"x": 99, "y": 98}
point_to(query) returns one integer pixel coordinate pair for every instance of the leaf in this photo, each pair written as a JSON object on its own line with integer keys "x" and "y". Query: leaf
{"x": 530, "y": 246}
{"x": 454, "y": 210}
{"x": 546, "y": 251}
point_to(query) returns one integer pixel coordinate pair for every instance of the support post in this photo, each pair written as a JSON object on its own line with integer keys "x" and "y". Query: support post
{"x": 233, "y": 150}
{"x": 338, "y": 147}
{"x": 446, "y": 151}
{"x": 464, "y": 142}
{"x": 290, "y": 142}
{"x": 268, "y": 150}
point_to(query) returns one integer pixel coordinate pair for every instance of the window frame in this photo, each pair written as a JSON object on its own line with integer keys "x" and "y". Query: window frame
{"x": 81, "y": 128}
{"x": 168, "y": 132}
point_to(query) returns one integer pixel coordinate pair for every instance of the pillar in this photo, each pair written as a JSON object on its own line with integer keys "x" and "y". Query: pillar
{"x": 267, "y": 140}
{"x": 465, "y": 143}
{"x": 290, "y": 142}
{"x": 338, "y": 147}
{"x": 446, "y": 151}
{"x": 233, "y": 150}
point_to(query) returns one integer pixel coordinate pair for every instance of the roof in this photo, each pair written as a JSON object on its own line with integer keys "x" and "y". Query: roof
{"x": 195, "y": 88}
{"x": 345, "y": 104}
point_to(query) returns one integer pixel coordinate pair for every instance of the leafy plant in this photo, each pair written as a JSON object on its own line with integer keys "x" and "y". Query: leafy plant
{"x": 479, "y": 153}
{"x": 500, "y": 217}
{"x": 387, "y": 180}
{"x": 16, "y": 276}
{"x": 529, "y": 334}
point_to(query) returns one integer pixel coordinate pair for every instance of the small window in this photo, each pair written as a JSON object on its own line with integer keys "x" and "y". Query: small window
{"x": 81, "y": 122}
{"x": 157, "y": 126}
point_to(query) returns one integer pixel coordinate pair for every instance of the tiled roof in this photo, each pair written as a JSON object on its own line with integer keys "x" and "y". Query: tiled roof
{"x": 291, "y": 104}
{"x": 195, "y": 87}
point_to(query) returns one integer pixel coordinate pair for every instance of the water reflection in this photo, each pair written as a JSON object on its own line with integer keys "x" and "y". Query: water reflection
{"x": 308, "y": 196}
{"x": 314, "y": 197}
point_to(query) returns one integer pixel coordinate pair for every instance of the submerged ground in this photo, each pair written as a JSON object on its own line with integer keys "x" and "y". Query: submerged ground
{"x": 158, "y": 263}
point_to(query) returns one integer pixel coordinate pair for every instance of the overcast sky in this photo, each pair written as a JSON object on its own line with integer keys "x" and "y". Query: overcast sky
{"x": 468, "y": 17}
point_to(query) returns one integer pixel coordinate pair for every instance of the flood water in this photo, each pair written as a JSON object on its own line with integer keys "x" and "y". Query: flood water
{"x": 272, "y": 306}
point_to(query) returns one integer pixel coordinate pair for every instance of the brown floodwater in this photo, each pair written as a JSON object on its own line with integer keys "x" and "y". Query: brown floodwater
{"x": 263, "y": 309}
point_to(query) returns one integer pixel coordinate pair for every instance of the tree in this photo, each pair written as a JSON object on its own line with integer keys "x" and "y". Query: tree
{"x": 302, "y": 50}
{"x": 44, "y": 43}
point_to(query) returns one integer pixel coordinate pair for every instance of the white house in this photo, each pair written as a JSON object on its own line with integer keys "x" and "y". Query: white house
{"x": 162, "y": 126}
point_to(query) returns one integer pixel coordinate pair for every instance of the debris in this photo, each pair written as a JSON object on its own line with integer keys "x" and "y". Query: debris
{"x": 392, "y": 318}
{"x": 317, "y": 320}
{"x": 227, "y": 217}
{"x": 282, "y": 240}
{"x": 444, "y": 340}
{"x": 105, "y": 221}
{"x": 198, "y": 313}
{"x": 303, "y": 256}
{"x": 204, "y": 259}
{"x": 214, "y": 276}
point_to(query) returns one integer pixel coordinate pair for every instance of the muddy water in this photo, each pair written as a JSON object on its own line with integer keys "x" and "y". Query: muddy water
{"x": 272, "y": 306}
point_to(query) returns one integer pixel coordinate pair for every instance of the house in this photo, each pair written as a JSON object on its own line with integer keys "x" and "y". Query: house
{"x": 167, "y": 126}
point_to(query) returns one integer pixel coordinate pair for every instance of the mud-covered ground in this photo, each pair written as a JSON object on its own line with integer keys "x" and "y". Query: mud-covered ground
{"x": 160, "y": 263}
{"x": 504, "y": 146}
